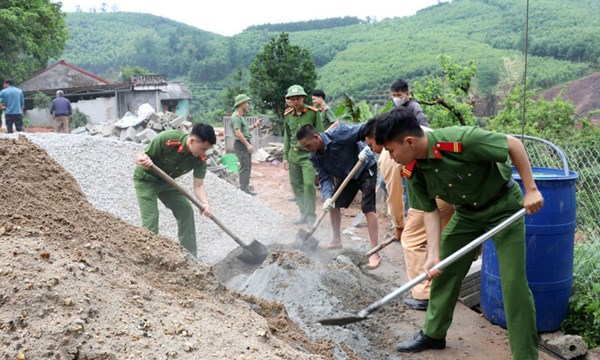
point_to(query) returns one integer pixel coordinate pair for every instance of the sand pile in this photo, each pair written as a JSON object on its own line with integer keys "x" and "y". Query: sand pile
{"x": 78, "y": 283}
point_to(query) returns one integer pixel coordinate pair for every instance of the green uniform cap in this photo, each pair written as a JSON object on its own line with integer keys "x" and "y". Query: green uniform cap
{"x": 295, "y": 90}
{"x": 240, "y": 99}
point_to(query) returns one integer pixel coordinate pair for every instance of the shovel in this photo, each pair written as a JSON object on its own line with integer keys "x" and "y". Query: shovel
{"x": 254, "y": 253}
{"x": 305, "y": 237}
{"x": 380, "y": 246}
{"x": 362, "y": 315}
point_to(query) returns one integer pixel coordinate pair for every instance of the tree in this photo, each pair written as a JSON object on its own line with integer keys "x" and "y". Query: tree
{"x": 33, "y": 31}
{"x": 235, "y": 88}
{"x": 449, "y": 97}
{"x": 127, "y": 72}
{"x": 278, "y": 66}
{"x": 354, "y": 112}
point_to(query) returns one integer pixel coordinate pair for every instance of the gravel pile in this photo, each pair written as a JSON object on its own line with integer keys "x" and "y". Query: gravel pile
{"x": 104, "y": 167}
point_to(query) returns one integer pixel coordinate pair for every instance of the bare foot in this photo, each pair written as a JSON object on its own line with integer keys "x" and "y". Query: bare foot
{"x": 334, "y": 245}
{"x": 374, "y": 262}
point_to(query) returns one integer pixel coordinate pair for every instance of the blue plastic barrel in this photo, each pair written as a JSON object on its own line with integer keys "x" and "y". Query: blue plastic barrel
{"x": 550, "y": 236}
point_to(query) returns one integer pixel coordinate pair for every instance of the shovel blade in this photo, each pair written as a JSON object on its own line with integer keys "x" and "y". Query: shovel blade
{"x": 342, "y": 320}
{"x": 304, "y": 239}
{"x": 254, "y": 253}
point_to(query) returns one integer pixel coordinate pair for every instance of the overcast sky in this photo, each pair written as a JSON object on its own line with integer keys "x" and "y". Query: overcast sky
{"x": 231, "y": 17}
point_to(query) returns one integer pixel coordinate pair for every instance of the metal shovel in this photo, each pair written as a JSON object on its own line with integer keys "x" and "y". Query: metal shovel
{"x": 364, "y": 313}
{"x": 305, "y": 237}
{"x": 254, "y": 253}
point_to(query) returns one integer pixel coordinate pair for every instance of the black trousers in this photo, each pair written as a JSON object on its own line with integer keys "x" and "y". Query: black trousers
{"x": 16, "y": 119}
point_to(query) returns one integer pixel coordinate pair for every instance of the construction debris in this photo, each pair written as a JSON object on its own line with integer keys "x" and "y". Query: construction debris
{"x": 140, "y": 128}
{"x": 566, "y": 346}
{"x": 273, "y": 152}
{"x": 213, "y": 164}
{"x": 471, "y": 285}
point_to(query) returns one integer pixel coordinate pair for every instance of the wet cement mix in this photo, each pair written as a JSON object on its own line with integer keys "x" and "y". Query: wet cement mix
{"x": 78, "y": 283}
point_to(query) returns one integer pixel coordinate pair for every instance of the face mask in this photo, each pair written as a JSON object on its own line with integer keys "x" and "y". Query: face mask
{"x": 399, "y": 100}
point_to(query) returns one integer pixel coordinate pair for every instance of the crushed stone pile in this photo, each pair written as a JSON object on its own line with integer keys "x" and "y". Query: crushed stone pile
{"x": 79, "y": 283}
{"x": 104, "y": 168}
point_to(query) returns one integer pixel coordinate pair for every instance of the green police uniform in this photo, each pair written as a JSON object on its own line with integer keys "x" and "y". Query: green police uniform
{"x": 302, "y": 172}
{"x": 467, "y": 167}
{"x": 244, "y": 156}
{"x": 327, "y": 117}
{"x": 168, "y": 151}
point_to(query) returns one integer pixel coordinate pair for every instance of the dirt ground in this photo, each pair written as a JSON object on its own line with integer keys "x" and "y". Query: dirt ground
{"x": 471, "y": 335}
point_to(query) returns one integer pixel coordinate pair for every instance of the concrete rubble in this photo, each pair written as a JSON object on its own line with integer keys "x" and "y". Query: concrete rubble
{"x": 270, "y": 153}
{"x": 471, "y": 285}
{"x": 140, "y": 128}
{"x": 565, "y": 346}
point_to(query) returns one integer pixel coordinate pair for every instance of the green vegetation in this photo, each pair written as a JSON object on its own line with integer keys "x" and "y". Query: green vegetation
{"x": 309, "y": 25}
{"x": 41, "y": 100}
{"x": 32, "y": 32}
{"x": 584, "y": 305}
{"x": 78, "y": 119}
{"x": 278, "y": 66}
{"x": 128, "y": 72}
{"x": 355, "y": 57}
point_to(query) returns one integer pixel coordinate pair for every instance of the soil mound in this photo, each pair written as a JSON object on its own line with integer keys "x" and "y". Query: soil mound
{"x": 78, "y": 283}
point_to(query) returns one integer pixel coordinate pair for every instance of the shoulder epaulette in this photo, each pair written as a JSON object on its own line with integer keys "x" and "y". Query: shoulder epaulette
{"x": 408, "y": 169}
{"x": 449, "y": 146}
{"x": 313, "y": 108}
{"x": 287, "y": 111}
{"x": 172, "y": 142}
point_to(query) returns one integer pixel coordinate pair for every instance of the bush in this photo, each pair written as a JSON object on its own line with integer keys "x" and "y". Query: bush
{"x": 584, "y": 305}
{"x": 41, "y": 100}
{"x": 78, "y": 119}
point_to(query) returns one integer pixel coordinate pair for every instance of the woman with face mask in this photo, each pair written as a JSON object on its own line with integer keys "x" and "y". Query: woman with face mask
{"x": 401, "y": 97}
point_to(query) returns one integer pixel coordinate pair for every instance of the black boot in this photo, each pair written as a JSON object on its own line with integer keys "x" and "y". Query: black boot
{"x": 421, "y": 342}
{"x": 416, "y": 304}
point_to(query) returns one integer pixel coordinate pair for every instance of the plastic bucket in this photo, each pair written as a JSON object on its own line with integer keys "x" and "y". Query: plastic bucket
{"x": 550, "y": 236}
{"x": 230, "y": 161}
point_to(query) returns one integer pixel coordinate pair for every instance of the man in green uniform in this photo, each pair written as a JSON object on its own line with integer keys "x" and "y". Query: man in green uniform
{"x": 325, "y": 113}
{"x": 242, "y": 146}
{"x": 466, "y": 167}
{"x": 176, "y": 153}
{"x": 295, "y": 157}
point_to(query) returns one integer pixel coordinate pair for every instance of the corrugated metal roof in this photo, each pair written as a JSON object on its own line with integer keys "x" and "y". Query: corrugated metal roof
{"x": 175, "y": 91}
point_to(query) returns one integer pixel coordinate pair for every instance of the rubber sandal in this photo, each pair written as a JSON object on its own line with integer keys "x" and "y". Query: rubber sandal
{"x": 333, "y": 246}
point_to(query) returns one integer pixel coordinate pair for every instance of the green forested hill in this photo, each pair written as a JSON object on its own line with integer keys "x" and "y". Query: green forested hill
{"x": 361, "y": 59}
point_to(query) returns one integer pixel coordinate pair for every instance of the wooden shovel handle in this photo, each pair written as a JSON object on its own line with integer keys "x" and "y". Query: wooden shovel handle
{"x": 158, "y": 171}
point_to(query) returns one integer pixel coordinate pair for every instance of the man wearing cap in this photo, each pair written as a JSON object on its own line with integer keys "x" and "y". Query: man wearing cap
{"x": 295, "y": 157}
{"x": 325, "y": 113}
{"x": 176, "y": 153}
{"x": 467, "y": 167}
{"x": 242, "y": 146}
{"x": 60, "y": 110}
